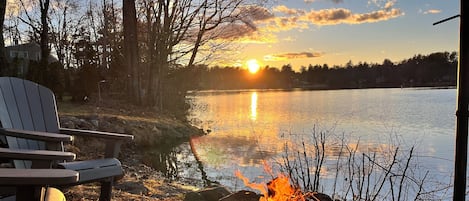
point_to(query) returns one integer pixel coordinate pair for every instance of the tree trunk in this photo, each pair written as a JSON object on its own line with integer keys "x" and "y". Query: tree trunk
{"x": 131, "y": 51}
{"x": 150, "y": 98}
{"x": 3, "y": 56}
{"x": 44, "y": 41}
{"x": 106, "y": 32}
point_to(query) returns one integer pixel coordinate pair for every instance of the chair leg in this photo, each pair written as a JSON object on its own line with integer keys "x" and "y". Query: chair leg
{"x": 106, "y": 190}
{"x": 28, "y": 193}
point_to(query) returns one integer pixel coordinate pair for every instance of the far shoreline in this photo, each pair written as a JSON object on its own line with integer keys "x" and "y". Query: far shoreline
{"x": 228, "y": 91}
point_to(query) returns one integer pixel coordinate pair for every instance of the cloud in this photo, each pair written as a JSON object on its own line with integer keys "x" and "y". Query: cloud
{"x": 233, "y": 31}
{"x": 287, "y": 11}
{"x": 258, "y": 23}
{"x": 289, "y": 39}
{"x": 432, "y": 11}
{"x": 284, "y": 24}
{"x": 13, "y": 8}
{"x": 242, "y": 33}
{"x": 257, "y": 38}
{"x": 244, "y": 28}
{"x": 289, "y": 56}
{"x": 295, "y": 18}
{"x": 389, "y": 5}
{"x": 379, "y": 3}
{"x": 345, "y": 16}
{"x": 334, "y": 1}
{"x": 337, "y": 1}
{"x": 254, "y": 13}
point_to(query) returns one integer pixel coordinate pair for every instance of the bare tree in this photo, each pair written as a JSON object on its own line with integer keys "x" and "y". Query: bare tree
{"x": 3, "y": 56}
{"x": 212, "y": 15}
{"x": 176, "y": 31}
{"x": 40, "y": 33}
{"x": 131, "y": 50}
{"x": 63, "y": 22}
{"x": 44, "y": 33}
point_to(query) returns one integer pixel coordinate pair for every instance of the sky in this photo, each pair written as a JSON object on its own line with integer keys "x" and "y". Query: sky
{"x": 334, "y": 32}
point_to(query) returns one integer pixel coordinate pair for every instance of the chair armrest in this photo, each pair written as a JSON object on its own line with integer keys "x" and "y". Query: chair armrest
{"x": 36, "y": 135}
{"x": 97, "y": 134}
{"x": 32, "y": 177}
{"x": 26, "y": 154}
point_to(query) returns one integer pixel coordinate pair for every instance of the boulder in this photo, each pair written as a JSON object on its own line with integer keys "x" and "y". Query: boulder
{"x": 242, "y": 196}
{"x": 208, "y": 194}
{"x": 322, "y": 197}
{"x": 132, "y": 187}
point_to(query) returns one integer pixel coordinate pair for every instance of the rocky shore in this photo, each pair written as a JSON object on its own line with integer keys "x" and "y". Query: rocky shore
{"x": 140, "y": 182}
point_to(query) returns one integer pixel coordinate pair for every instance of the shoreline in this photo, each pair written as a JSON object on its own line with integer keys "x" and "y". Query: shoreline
{"x": 140, "y": 181}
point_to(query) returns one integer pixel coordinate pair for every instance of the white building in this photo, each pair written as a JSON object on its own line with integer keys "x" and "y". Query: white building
{"x": 19, "y": 56}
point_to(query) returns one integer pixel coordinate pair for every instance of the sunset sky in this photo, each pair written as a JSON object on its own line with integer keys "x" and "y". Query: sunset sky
{"x": 303, "y": 32}
{"x": 333, "y": 32}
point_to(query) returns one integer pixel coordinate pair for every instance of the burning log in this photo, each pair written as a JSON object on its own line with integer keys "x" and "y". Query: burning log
{"x": 280, "y": 189}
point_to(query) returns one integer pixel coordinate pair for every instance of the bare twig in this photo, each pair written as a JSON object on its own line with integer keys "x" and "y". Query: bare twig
{"x": 404, "y": 173}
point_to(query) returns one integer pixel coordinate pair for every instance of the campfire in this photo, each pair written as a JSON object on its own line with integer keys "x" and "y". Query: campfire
{"x": 280, "y": 189}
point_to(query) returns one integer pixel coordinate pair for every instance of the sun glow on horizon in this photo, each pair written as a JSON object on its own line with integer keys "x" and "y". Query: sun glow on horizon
{"x": 253, "y": 66}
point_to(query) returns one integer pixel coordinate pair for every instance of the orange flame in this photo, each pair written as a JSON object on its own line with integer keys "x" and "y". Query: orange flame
{"x": 279, "y": 189}
{"x": 259, "y": 187}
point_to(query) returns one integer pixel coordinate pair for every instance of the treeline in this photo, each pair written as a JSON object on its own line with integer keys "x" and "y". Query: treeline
{"x": 128, "y": 48}
{"x": 436, "y": 69}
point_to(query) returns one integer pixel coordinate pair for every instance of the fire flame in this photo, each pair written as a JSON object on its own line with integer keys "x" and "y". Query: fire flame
{"x": 279, "y": 189}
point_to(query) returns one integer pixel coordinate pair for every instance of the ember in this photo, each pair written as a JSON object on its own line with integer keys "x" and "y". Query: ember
{"x": 279, "y": 189}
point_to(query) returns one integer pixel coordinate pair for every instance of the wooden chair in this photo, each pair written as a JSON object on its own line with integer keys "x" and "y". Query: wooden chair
{"x": 35, "y": 184}
{"x": 31, "y": 184}
{"x": 29, "y": 121}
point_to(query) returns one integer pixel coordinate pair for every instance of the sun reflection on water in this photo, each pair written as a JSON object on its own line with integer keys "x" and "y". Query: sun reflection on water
{"x": 254, "y": 106}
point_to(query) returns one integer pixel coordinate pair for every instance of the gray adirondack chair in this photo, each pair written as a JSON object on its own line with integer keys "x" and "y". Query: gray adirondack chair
{"x": 31, "y": 184}
{"x": 29, "y": 120}
{"x": 34, "y": 184}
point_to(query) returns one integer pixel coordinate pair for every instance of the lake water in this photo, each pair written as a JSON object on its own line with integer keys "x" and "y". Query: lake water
{"x": 250, "y": 128}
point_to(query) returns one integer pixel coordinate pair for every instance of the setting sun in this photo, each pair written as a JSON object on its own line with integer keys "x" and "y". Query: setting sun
{"x": 253, "y": 66}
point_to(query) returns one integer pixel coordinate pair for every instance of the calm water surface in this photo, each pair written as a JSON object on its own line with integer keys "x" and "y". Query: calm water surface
{"x": 249, "y": 127}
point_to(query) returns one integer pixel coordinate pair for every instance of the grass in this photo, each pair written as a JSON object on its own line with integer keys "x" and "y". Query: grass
{"x": 113, "y": 108}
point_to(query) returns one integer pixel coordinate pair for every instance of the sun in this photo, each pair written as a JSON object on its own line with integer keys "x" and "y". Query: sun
{"x": 253, "y": 66}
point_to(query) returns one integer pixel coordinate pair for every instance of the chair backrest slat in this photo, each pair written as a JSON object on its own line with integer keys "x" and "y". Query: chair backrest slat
{"x": 35, "y": 107}
{"x": 12, "y": 119}
{"x": 22, "y": 103}
{"x": 29, "y": 106}
{"x": 49, "y": 110}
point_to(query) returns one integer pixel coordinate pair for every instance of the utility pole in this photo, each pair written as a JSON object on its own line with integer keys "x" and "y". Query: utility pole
{"x": 462, "y": 113}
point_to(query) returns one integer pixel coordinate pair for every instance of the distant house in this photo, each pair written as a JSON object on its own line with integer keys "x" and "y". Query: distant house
{"x": 21, "y": 55}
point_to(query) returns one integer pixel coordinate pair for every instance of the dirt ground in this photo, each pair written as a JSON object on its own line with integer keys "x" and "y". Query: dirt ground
{"x": 140, "y": 181}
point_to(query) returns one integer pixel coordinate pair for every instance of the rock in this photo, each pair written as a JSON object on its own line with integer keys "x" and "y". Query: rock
{"x": 95, "y": 122}
{"x": 242, "y": 196}
{"x": 208, "y": 194}
{"x": 193, "y": 196}
{"x": 155, "y": 129}
{"x": 68, "y": 124}
{"x": 214, "y": 193}
{"x": 133, "y": 187}
{"x": 83, "y": 124}
{"x": 322, "y": 197}
{"x": 105, "y": 125}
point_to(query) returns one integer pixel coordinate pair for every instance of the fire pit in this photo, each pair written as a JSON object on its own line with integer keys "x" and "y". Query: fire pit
{"x": 280, "y": 189}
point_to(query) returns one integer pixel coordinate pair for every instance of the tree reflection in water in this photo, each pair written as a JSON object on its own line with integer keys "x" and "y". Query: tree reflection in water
{"x": 177, "y": 162}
